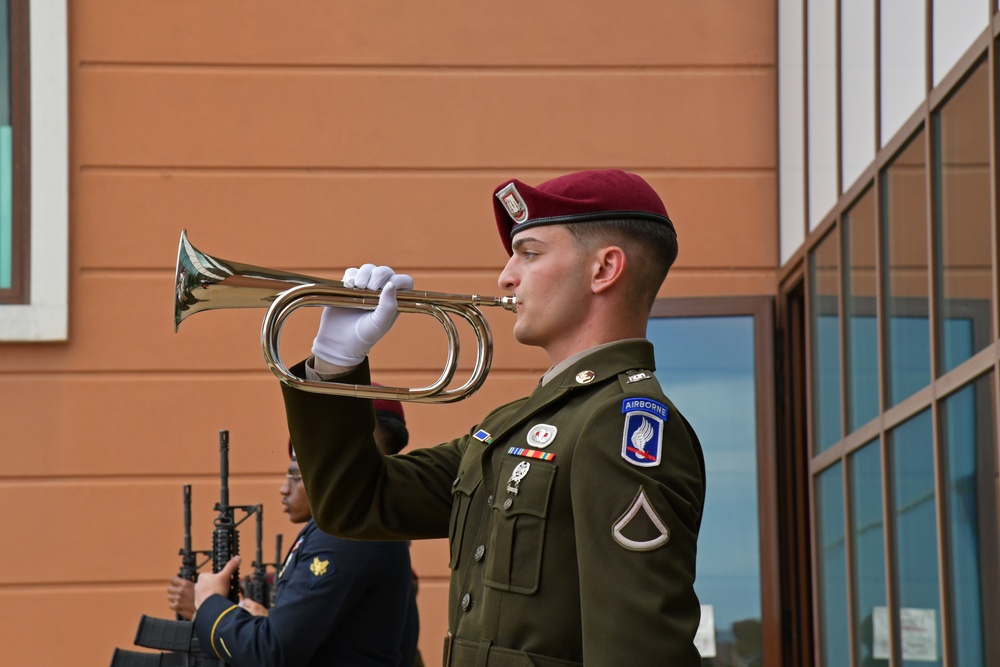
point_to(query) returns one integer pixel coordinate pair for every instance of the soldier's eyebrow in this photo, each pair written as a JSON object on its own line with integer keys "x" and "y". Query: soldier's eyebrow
{"x": 521, "y": 240}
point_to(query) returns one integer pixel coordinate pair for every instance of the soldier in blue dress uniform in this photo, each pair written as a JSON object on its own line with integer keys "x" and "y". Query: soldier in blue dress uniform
{"x": 339, "y": 602}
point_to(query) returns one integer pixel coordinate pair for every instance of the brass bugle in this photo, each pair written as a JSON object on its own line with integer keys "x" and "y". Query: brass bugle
{"x": 203, "y": 282}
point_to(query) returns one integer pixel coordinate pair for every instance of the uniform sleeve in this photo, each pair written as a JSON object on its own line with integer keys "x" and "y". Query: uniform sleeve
{"x": 324, "y": 587}
{"x": 355, "y": 491}
{"x": 636, "y": 531}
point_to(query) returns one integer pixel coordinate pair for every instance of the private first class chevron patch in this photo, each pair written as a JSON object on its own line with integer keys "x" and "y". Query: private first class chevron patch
{"x": 642, "y": 438}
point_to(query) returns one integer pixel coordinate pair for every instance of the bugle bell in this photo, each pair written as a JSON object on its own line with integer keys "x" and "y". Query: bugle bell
{"x": 203, "y": 282}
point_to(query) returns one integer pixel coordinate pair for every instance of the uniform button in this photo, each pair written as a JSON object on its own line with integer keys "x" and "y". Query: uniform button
{"x": 489, "y": 501}
{"x": 480, "y": 551}
{"x": 507, "y": 503}
{"x": 466, "y": 602}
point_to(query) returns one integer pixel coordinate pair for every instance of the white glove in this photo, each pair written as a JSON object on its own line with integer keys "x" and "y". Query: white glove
{"x": 346, "y": 335}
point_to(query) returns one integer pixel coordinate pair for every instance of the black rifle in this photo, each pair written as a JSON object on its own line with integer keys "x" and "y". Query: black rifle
{"x": 259, "y": 590}
{"x": 175, "y": 639}
{"x": 189, "y": 558}
{"x": 189, "y": 562}
{"x": 225, "y": 538}
{"x": 278, "y": 564}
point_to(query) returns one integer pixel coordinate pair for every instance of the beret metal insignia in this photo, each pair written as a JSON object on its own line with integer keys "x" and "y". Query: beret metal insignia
{"x": 318, "y": 567}
{"x": 514, "y": 204}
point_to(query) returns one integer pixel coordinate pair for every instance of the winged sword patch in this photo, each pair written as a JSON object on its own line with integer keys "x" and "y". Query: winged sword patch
{"x": 642, "y": 438}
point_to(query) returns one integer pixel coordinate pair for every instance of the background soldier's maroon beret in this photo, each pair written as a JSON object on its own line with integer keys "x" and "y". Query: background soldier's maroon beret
{"x": 580, "y": 197}
{"x": 394, "y": 408}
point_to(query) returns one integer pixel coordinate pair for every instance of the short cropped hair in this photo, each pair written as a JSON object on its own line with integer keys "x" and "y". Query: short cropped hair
{"x": 395, "y": 429}
{"x": 650, "y": 248}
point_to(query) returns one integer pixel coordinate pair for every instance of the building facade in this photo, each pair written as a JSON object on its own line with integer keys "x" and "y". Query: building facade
{"x": 888, "y": 309}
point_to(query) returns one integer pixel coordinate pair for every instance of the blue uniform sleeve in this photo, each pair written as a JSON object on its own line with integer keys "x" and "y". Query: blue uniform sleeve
{"x": 324, "y": 585}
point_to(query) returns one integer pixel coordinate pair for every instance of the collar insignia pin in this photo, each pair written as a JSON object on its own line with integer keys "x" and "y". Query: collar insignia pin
{"x": 584, "y": 377}
{"x": 318, "y": 567}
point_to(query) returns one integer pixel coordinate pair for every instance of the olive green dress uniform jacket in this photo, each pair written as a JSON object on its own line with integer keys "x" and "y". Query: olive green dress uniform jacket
{"x": 587, "y": 558}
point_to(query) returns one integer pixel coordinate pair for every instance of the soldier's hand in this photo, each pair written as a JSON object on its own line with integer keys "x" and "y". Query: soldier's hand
{"x": 180, "y": 597}
{"x": 210, "y": 584}
{"x": 347, "y": 334}
{"x": 255, "y": 608}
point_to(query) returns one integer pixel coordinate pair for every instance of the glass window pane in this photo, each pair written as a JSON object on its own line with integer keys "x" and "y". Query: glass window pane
{"x": 857, "y": 90}
{"x": 956, "y": 25}
{"x": 903, "y": 33}
{"x": 868, "y": 546}
{"x": 918, "y": 611}
{"x": 860, "y": 289}
{"x": 822, "y": 108}
{"x": 967, "y": 435}
{"x": 962, "y": 267}
{"x": 832, "y": 562}
{"x": 904, "y": 225}
{"x": 825, "y": 353}
{"x": 713, "y": 385}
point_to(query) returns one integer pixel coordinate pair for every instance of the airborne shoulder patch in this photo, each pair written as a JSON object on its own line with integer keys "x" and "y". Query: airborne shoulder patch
{"x": 642, "y": 437}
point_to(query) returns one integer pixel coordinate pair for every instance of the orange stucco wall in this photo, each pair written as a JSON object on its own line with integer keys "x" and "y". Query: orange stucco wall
{"x": 310, "y": 136}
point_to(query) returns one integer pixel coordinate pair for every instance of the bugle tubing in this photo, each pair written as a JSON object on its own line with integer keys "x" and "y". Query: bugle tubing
{"x": 203, "y": 282}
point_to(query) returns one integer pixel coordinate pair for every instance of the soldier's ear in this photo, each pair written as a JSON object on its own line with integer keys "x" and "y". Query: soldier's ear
{"x": 608, "y": 268}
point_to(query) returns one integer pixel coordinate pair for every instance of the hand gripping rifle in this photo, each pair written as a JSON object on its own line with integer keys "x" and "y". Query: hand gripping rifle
{"x": 225, "y": 538}
{"x": 176, "y": 640}
{"x": 189, "y": 558}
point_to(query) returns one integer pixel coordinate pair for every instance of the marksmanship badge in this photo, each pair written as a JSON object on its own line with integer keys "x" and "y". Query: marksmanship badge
{"x": 642, "y": 439}
{"x": 514, "y": 203}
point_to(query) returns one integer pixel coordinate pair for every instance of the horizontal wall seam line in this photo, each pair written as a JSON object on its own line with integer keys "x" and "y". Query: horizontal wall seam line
{"x": 422, "y": 171}
{"x": 654, "y": 69}
{"x": 117, "y": 480}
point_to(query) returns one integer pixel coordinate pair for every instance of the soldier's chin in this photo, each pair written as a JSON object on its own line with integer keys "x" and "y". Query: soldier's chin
{"x": 522, "y": 334}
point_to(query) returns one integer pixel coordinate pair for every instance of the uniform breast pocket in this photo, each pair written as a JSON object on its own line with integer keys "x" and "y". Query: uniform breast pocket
{"x": 461, "y": 499}
{"x": 517, "y": 528}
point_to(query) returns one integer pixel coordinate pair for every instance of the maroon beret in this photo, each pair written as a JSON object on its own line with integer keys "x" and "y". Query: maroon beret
{"x": 580, "y": 197}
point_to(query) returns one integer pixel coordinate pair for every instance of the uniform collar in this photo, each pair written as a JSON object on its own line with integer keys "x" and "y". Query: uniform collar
{"x": 574, "y": 360}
